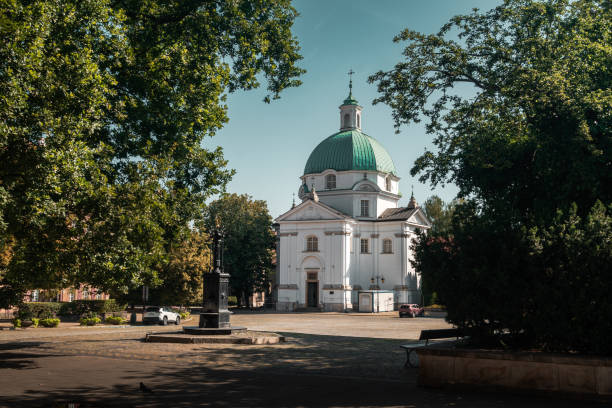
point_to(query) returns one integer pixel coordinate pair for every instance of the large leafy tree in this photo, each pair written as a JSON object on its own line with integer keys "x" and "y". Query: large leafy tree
{"x": 249, "y": 242}
{"x": 104, "y": 106}
{"x": 519, "y": 102}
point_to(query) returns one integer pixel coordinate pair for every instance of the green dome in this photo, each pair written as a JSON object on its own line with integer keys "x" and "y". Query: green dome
{"x": 349, "y": 150}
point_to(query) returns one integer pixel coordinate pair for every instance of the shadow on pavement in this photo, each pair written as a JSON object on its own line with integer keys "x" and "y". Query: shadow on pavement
{"x": 308, "y": 371}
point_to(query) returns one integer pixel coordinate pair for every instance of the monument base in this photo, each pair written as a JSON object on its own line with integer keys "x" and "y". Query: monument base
{"x": 214, "y": 320}
{"x": 209, "y": 331}
{"x": 243, "y": 337}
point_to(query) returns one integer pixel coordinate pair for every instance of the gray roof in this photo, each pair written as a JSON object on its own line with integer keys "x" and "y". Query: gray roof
{"x": 397, "y": 214}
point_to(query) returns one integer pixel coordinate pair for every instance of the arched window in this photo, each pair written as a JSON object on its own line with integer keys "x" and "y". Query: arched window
{"x": 358, "y": 120}
{"x": 347, "y": 120}
{"x": 312, "y": 244}
{"x": 330, "y": 181}
{"x": 388, "y": 183}
{"x": 387, "y": 246}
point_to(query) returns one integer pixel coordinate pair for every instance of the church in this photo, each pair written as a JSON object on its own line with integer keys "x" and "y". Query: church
{"x": 348, "y": 237}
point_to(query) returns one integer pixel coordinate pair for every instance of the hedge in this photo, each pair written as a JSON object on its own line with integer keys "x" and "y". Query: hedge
{"x": 81, "y": 307}
{"x": 89, "y": 321}
{"x": 38, "y": 310}
{"x": 116, "y": 320}
{"x": 49, "y": 322}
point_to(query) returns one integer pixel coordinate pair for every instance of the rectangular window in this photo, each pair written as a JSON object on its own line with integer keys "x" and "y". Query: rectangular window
{"x": 365, "y": 208}
{"x": 387, "y": 246}
{"x": 312, "y": 244}
{"x": 311, "y": 276}
{"x": 364, "y": 246}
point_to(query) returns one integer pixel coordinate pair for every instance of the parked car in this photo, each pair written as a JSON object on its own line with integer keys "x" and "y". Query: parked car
{"x": 161, "y": 315}
{"x": 410, "y": 310}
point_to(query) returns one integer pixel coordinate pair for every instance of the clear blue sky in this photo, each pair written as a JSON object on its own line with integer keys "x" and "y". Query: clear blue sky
{"x": 268, "y": 144}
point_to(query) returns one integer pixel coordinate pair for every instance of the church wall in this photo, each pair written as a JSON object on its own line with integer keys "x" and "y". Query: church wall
{"x": 343, "y": 203}
{"x": 371, "y": 197}
{"x": 295, "y": 261}
{"x": 382, "y": 203}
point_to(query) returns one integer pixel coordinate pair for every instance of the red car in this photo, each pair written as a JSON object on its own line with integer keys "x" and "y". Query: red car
{"x": 411, "y": 310}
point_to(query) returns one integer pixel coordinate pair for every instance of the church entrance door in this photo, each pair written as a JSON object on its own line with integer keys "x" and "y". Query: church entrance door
{"x": 312, "y": 288}
{"x": 313, "y": 294}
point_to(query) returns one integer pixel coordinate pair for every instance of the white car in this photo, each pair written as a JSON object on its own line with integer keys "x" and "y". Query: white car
{"x": 161, "y": 315}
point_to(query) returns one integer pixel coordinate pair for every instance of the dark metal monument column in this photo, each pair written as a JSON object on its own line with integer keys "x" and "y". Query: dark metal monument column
{"x": 215, "y": 313}
{"x": 215, "y": 316}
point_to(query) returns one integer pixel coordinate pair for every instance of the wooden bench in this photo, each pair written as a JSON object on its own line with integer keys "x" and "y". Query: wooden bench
{"x": 412, "y": 359}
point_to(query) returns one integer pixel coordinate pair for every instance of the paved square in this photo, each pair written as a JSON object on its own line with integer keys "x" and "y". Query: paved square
{"x": 329, "y": 359}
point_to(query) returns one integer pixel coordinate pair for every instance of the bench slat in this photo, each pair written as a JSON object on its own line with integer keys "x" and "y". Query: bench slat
{"x": 440, "y": 334}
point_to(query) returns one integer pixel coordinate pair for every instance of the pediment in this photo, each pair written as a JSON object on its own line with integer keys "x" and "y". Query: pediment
{"x": 311, "y": 211}
{"x": 419, "y": 218}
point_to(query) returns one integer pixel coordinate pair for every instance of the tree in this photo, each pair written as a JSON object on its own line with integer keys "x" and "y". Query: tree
{"x": 439, "y": 213}
{"x": 249, "y": 241}
{"x": 528, "y": 145}
{"x": 533, "y": 133}
{"x": 104, "y": 106}
{"x": 182, "y": 275}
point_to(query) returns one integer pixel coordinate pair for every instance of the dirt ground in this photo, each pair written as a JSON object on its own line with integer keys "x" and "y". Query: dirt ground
{"x": 329, "y": 359}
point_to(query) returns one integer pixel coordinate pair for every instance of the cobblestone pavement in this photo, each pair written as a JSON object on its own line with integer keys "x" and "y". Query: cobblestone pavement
{"x": 328, "y": 360}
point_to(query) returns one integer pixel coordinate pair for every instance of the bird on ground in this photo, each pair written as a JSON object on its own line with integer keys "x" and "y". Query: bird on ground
{"x": 144, "y": 388}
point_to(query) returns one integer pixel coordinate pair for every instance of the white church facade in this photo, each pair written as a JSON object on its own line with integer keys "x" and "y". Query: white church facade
{"x": 348, "y": 236}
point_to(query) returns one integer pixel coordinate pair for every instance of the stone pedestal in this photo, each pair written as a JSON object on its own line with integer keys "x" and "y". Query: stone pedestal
{"x": 215, "y": 314}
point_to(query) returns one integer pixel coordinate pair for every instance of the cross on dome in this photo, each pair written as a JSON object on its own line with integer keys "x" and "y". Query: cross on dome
{"x": 350, "y": 111}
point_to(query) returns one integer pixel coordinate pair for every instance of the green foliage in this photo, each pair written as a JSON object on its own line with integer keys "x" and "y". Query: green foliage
{"x": 39, "y": 310}
{"x": 115, "y": 320}
{"x": 105, "y": 107}
{"x": 439, "y": 213}
{"x": 11, "y": 294}
{"x": 49, "y": 322}
{"x": 545, "y": 287}
{"x": 182, "y": 274}
{"x": 249, "y": 240}
{"x": 82, "y": 307}
{"x": 232, "y": 301}
{"x": 518, "y": 101}
{"x": 16, "y": 323}
{"x": 35, "y": 322}
{"x": 519, "y": 105}
{"x": 184, "y": 315}
{"x": 89, "y": 321}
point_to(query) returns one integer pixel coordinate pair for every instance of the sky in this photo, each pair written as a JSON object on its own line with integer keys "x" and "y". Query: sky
{"x": 268, "y": 144}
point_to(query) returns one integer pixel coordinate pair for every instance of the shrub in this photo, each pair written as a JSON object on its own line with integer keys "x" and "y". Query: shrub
{"x": 541, "y": 287}
{"x": 35, "y": 322}
{"x": 80, "y": 307}
{"x": 38, "y": 310}
{"x": 232, "y": 301}
{"x": 89, "y": 321}
{"x": 116, "y": 320}
{"x": 49, "y": 322}
{"x": 17, "y": 323}
{"x": 184, "y": 315}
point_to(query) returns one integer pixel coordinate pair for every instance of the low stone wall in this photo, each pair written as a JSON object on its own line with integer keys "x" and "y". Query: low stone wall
{"x": 440, "y": 367}
{"x": 434, "y": 312}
